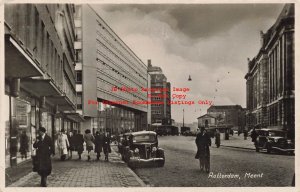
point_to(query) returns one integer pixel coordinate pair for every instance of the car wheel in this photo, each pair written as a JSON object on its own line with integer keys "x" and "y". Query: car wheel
{"x": 161, "y": 155}
{"x": 269, "y": 149}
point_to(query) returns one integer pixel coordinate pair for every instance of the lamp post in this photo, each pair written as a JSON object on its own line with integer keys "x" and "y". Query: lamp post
{"x": 183, "y": 118}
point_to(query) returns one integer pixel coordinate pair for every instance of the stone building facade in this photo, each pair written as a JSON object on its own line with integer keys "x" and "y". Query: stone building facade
{"x": 271, "y": 77}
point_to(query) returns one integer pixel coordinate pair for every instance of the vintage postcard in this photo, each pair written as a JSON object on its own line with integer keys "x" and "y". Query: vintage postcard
{"x": 142, "y": 96}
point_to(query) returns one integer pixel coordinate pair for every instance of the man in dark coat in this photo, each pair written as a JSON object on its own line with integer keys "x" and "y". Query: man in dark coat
{"x": 99, "y": 141}
{"x": 45, "y": 148}
{"x": 78, "y": 143}
{"x": 24, "y": 146}
{"x": 203, "y": 142}
{"x": 106, "y": 145}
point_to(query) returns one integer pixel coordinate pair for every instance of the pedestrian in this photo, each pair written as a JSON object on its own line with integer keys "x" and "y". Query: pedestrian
{"x": 78, "y": 143}
{"x": 217, "y": 138}
{"x": 254, "y": 136}
{"x": 106, "y": 145}
{"x": 45, "y": 148}
{"x": 89, "y": 140}
{"x": 203, "y": 154}
{"x": 62, "y": 144}
{"x": 71, "y": 142}
{"x": 99, "y": 141}
{"x": 24, "y": 146}
{"x": 245, "y": 134}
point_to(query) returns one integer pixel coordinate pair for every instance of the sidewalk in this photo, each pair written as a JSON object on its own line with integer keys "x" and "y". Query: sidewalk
{"x": 236, "y": 141}
{"x": 83, "y": 173}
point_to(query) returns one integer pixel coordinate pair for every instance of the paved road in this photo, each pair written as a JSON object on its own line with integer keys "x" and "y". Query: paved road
{"x": 182, "y": 170}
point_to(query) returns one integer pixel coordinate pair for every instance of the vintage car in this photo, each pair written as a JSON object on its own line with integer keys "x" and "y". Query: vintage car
{"x": 273, "y": 140}
{"x": 143, "y": 151}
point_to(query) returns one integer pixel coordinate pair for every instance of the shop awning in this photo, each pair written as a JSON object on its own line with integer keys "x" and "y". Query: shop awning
{"x": 63, "y": 103}
{"x": 75, "y": 117}
{"x": 40, "y": 87}
{"x": 18, "y": 64}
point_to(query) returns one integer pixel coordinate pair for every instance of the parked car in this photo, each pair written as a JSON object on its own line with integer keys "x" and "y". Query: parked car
{"x": 143, "y": 150}
{"x": 272, "y": 140}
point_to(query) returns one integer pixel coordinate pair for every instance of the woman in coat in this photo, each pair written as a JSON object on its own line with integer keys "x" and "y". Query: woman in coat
{"x": 78, "y": 143}
{"x": 106, "y": 145}
{"x": 203, "y": 154}
{"x": 99, "y": 139}
{"x": 71, "y": 142}
{"x": 89, "y": 140}
{"x": 62, "y": 144}
{"x": 45, "y": 148}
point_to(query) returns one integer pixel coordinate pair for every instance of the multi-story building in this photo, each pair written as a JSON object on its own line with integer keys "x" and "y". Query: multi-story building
{"x": 109, "y": 77}
{"x": 230, "y": 115}
{"x": 160, "y": 96}
{"x": 271, "y": 77}
{"x": 39, "y": 73}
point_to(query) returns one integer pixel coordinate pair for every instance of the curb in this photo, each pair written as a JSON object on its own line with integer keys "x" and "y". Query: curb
{"x": 138, "y": 179}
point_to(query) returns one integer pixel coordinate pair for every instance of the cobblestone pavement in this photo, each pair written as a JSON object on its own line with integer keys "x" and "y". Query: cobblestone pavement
{"x": 81, "y": 173}
{"x": 182, "y": 169}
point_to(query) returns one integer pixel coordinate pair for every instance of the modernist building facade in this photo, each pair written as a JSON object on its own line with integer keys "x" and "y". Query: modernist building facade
{"x": 39, "y": 73}
{"x": 107, "y": 69}
{"x": 271, "y": 77}
{"x": 229, "y": 115}
{"x": 160, "y": 96}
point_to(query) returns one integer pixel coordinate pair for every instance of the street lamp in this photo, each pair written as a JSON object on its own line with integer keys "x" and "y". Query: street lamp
{"x": 183, "y": 118}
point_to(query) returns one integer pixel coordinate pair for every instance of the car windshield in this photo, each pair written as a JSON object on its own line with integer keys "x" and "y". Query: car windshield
{"x": 276, "y": 134}
{"x": 144, "y": 138}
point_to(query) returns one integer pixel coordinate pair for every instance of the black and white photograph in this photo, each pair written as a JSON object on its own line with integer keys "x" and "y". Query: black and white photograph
{"x": 150, "y": 95}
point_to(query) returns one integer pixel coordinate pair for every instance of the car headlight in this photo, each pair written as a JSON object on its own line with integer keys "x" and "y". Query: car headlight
{"x": 136, "y": 150}
{"x": 289, "y": 141}
{"x": 154, "y": 149}
{"x": 275, "y": 140}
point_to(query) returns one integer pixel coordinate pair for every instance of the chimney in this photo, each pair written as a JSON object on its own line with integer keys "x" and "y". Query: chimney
{"x": 149, "y": 63}
{"x": 262, "y": 38}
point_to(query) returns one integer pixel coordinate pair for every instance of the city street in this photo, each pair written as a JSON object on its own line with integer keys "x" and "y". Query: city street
{"x": 182, "y": 169}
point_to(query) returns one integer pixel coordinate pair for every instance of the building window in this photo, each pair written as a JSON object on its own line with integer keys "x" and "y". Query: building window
{"x": 78, "y": 76}
{"x": 79, "y": 100}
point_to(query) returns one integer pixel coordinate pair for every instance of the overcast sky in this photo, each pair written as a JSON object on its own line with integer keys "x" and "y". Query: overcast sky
{"x": 209, "y": 42}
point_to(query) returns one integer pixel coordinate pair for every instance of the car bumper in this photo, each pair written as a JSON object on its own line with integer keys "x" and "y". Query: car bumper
{"x": 135, "y": 162}
{"x": 282, "y": 149}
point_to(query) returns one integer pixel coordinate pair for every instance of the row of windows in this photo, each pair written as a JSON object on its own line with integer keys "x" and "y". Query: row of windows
{"x": 128, "y": 96}
{"x": 108, "y": 70}
{"x": 136, "y": 59}
{"x": 40, "y": 42}
{"x": 134, "y": 68}
{"x": 114, "y": 58}
{"x": 155, "y": 112}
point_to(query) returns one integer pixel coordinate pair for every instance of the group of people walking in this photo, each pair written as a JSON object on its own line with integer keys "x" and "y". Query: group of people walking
{"x": 66, "y": 144}
{"x": 74, "y": 141}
